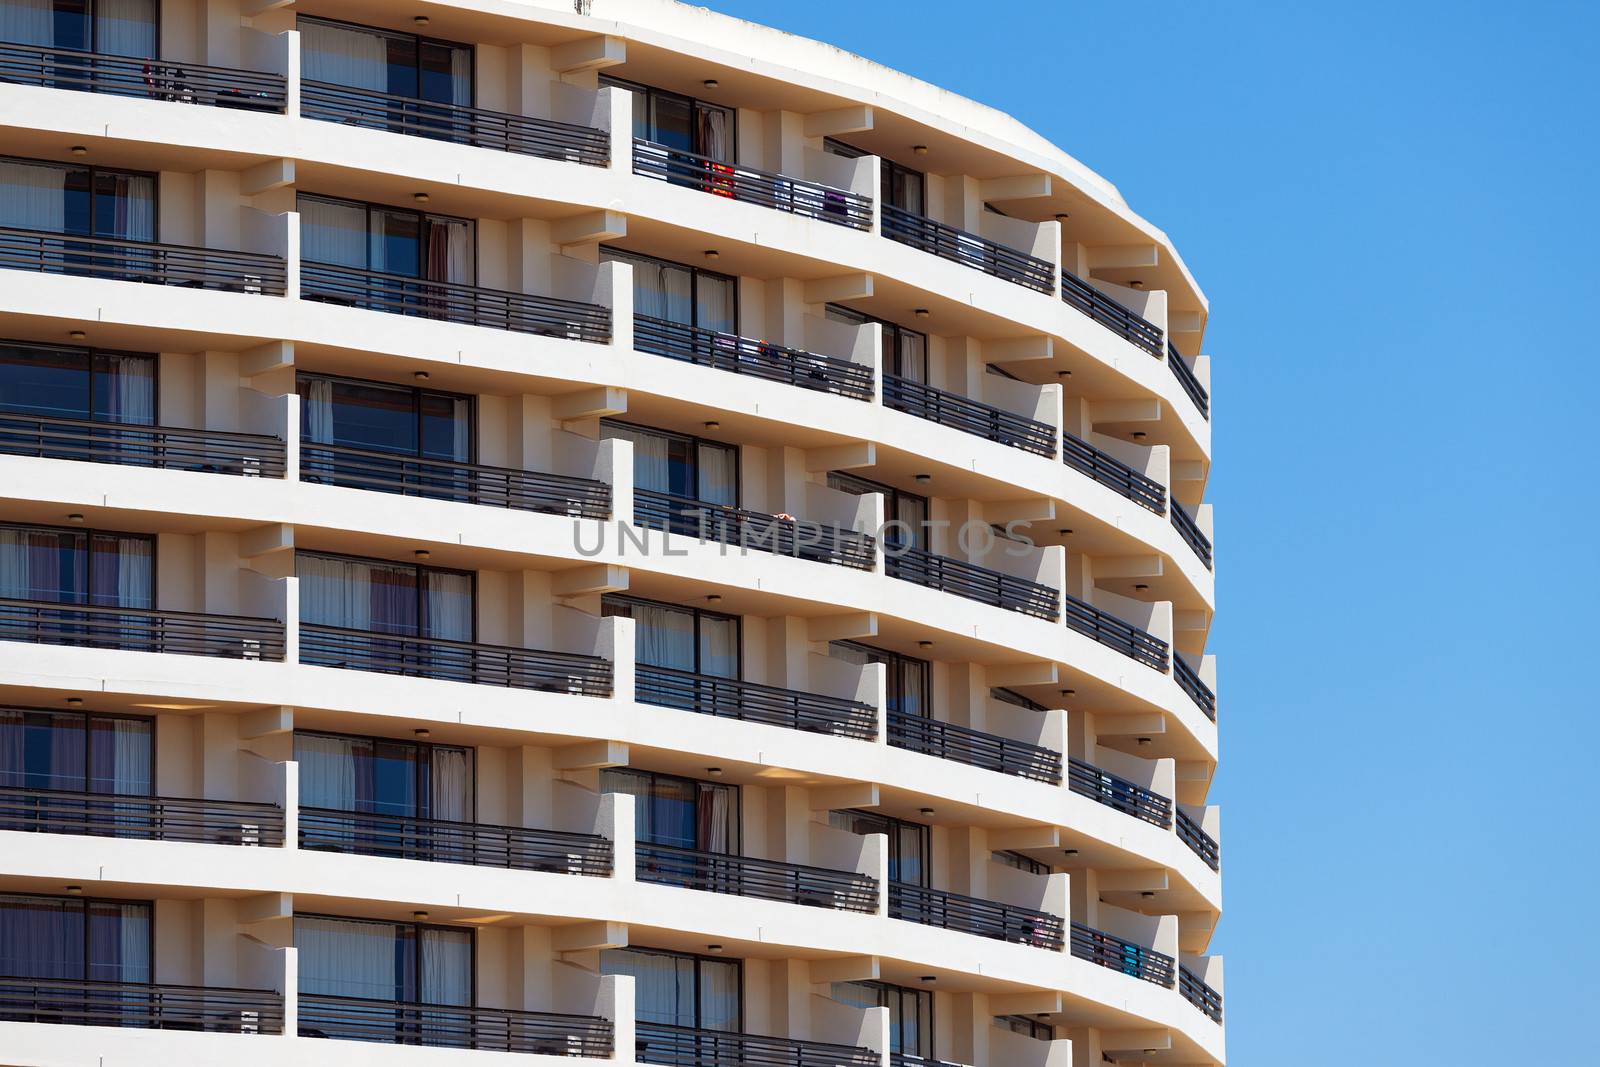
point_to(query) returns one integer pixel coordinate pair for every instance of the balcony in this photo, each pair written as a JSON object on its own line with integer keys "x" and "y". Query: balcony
{"x": 758, "y": 359}
{"x": 720, "y": 524}
{"x": 906, "y": 1059}
{"x": 968, "y": 249}
{"x": 123, "y": 260}
{"x": 148, "y": 1006}
{"x": 745, "y": 876}
{"x": 917, "y": 733}
{"x": 1198, "y": 691}
{"x": 1114, "y": 953}
{"x": 456, "y": 123}
{"x": 437, "y": 479}
{"x": 971, "y": 581}
{"x": 452, "y": 1026}
{"x": 749, "y": 185}
{"x": 1112, "y": 632}
{"x": 1111, "y": 314}
{"x": 1103, "y": 787}
{"x": 730, "y": 698}
{"x": 1111, "y": 472}
{"x": 969, "y": 416}
{"x": 1199, "y": 994}
{"x": 210, "y": 822}
{"x": 973, "y": 915}
{"x": 454, "y": 661}
{"x": 144, "y": 79}
{"x": 1186, "y": 378}
{"x": 1201, "y": 843}
{"x": 515, "y": 848}
{"x": 685, "y": 1046}
{"x": 471, "y": 305}
{"x": 1184, "y": 523}
{"x": 162, "y": 447}
{"x": 46, "y": 622}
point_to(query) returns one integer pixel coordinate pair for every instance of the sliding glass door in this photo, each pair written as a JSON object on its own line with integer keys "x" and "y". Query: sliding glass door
{"x": 50, "y": 566}
{"x": 77, "y": 383}
{"x": 905, "y": 514}
{"x": 50, "y": 759}
{"x": 910, "y": 1013}
{"x": 905, "y": 352}
{"x": 385, "y": 964}
{"x": 391, "y": 419}
{"x": 909, "y": 684}
{"x": 68, "y": 940}
{"x": 677, "y": 293}
{"x": 679, "y": 989}
{"x": 683, "y": 639}
{"x": 691, "y": 469}
{"x": 679, "y": 812}
{"x": 395, "y": 783}
{"x": 400, "y": 81}
{"x": 88, "y": 202}
{"x": 109, "y": 27}
{"x": 379, "y": 597}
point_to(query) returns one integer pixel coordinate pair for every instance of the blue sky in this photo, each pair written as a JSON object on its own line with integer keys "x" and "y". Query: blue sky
{"x": 1382, "y": 201}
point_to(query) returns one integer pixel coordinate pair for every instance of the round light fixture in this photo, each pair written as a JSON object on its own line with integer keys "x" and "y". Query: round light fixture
{"x": 920, "y": 149}
{"x": 711, "y": 83}
{"x": 79, "y": 150}
{"x": 77, "y": 335}
{"x": 421, "y": 198}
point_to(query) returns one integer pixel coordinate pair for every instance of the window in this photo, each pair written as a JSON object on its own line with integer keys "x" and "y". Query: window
{"x": 78, "y": 383}
{"x": 1015, "y": 699}
{"x": 683, "y": 639}
{"x": 1021, "y": 1024}
{"x": 374, "y": 774}
{"x": 386, "y": 418}
{"x": 376, "y": 596}
{"x": 910, "y": 1013}
{"x": 677, "y": 293}
{"x": 1018, "y": 862}
{"x": 679, "y": 989}
{"x": 902, "y": 187}
{"x": 87, "y": 201}
{"x": 679, "y": 812}
{"x": 679, "y": 465}
{"x": 905, "y": 352}
{"x": 400, "y": 64}
{"x": 76, "y": 752}
{"x": 905, "y": 514}
{"x": 74, "y": 938}
{"x": 910, "y": 844}
{"x": 77, "y": 567}
{"x": 910, "y": 689}
{"x": 410, "y": 963}
{"x": 388, "y": 240}
{"x": 109, "y": 27}
{"x": 681, "y": 122}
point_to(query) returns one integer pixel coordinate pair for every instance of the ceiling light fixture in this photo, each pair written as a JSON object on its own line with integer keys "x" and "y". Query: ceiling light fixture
{"x": 924, "y": 644}
{"x": 1069, "y": 692}
{"x": 421, "y": 20}
{"x": 79, "y": 150}
{"x": 1062, "y": 215}
{"x": 920, "y": 149}
{"x": 922, "y": 313}
{"x": 1140, "y": 586}
{"x": 713, "y": 424}
{"x": 925, "y": 811}
{"x": 1064, "y": 532}
{"x": 924, "y": 479}
{"x": 1136, "y": 283}
{"x": 715, "y": 950}
{"x": 422, "y": 732}
{"x": 421, "y": 198}
{"x": 1144, "y": 740}
{"x": 1069, "y": 852}
{"x": 75, "y": 890}
{"x": 422, "y": 553}
{"x": 421, "y": 375}
{"x": 77, "y": 335}
{"x": 1139, "y": 434}
{"x": 930, "y": 978}
{"x": 74, "y": 702}
{"x": 711, "y": 83}
{"x": 712, "y": 253}
{"x": 76, "y": 516}
{"x": 419, "y": 914}
{"x": 715, "y": 772}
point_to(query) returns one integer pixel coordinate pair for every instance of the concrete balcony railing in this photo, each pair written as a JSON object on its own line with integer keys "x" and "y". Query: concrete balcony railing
{"x": 1119, "y": 954}
{"x": 148, "y": 262}
{"x": 141, "y": 630}
{"x": 683, "y": 1046}
{"x": 731, "y": 698}
{"x": 212, "y": 822}
{"x": 974, "y": 915}
{"x": 758, "y": 359}
{"x": 163, "y": 447}
{"x": 747, "y": 876}
{"x": 141, "y": 1005}
{"x": 143, "y": 79}
{"x": 968, "y": 249}
{"x": 456, "y": 661}
{"x": 969, "y": 416}
{"x": 784, "y": 536}
{"x": 452, "y": 1026}
{"x": 475, "y": 844}
{"x": 975, "y": 748}
{"x": 750, "y": 185}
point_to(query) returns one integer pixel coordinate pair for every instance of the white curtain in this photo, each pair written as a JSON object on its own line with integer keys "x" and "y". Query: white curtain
{"x": 461, "y": 445}
{"x": 125, "y": 28}
{"x": 719, "y": 995}
{"x": 331, "y": 232}
{"x": 134, "y": 588}
{"x": 130, "y": 757}
{"x": 335, "y": 592}
{"x": 33, "y": 197}
{"x": 446, "y": 967}
{"x": 343, "y": 957}
{"x": 712, "y": 814}
{"x": 319, "y": 411}
{"x": 327, "y": 771}
{"x": 714, "y": 140}
{"x": 663, "y": 637}
{"x": 451, "y": 794}
{"x": 135, "y": 217}
{"x": 913, "y": 361}
{"x": 719, "y": 647}
{"x": 714, "y": 305}
{"x": 27, "y": 22}
{"x": 449, "y": 605}
{"x": 717, "y": 480}
{"x": 663, "y": 986}
{"x": 344, "y": 56}
{"x": 14, "y": 568}
{"x": 135, "y": 942}
{"x": 651, "y": 468}
{"x": 461, "y": 77}
{"x": 660, "y": 290}
{"x": 136, "y": 390}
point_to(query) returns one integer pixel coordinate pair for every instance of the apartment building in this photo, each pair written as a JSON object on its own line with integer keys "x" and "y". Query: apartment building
{"x": 597, "y": 530}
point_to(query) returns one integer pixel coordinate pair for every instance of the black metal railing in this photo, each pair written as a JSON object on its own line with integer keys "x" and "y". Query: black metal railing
{"x": 144, "y": 1005}
{"x": 813, "y": 200}
{"x": 1198, "y": 691}
{"x": 1111, "y": 472}
{"x": 730, "y": 698}
{"x": 685, "y": 1046}
{"x": 1112, "y": 952}
{"x": 455, "y": 123}
{"x": 1087, "y": 780}
{"x": 906, "y": 1059}
{"x": 439, "y": 479}
{"x": 1112, "y": 632}
{"x": 165, "y": 447}
{"x": 721, "y": 524}
{"x": 961, "y": 744}
{"x": 471, "y": 305}
{"x": 124, "y": 260}
{"x": 1112, "y": 314}
{"x": 745, "y": 876}
{"x": 454, "y": 661}
{"x": 454, "y": 1026}
{"x": 973, "y": 915}
{"x": 213, "y": 822}
{"x": 968, "y": 249}
{"x": 969, "y": 416}
{"x": 1202, "y": 996}
{"x": 1184, "y": 523}
{"x": 971, "y": 581}
{"x": 47, "y": 622}
{"x": 145, "y": 79}
{"x": 1201, "y": 843}
{"x": 518, "y": 848}
{"x": 1186, "y": 378}
{"x": 759, "y": 359}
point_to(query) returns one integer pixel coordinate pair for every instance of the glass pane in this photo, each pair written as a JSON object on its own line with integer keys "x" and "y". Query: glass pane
{"x": 350, "y": 958}
{"x": 42, "y": 565}
{"x": 717, "y": 479}
{"x": 445, "y": 75}
{"x": 672, "y": 121}
{"x": 27, "y": 22}
{"x": 913, "y": 512}
{"x": 446, "y": 957}
{"x": 449, "y": 784}
{"x": 663, "y": 990}
{"x": 121, "y": 756}
{"x": 343, "y": 55}
{"x": 392, "y": 766}
{"x": 719, "y": 995}
{"x": 41, "y": 750}
{"x": 664, "y": 636}
{"x": 72, "y": 25}
{"x": 716, "y": 300}
{"x": 910, "y": 354}
{"x": 719, "y": 646}
{"x": 401, "y": 58}
{"x": 663, "y": 808}
{"x": 327, "y": 770}
{"x": 447, "y": 605}
{"x": 382, "y": 418}
{"x": 44, "y": 381}
{"x": 447, "y": 427}
{"x": 41, "y": 938}
{"x": 717, "y": 818}
{"x": 125, "y": 28}
{"x": 907, "y": 859}
{"x": 332, "y": 231}
{"x": 34, "y": 197}
{"x": 682, "y": 475}
{"x": 714, "y": 132}
{"x": 124, "y": 206}
{"x": 449, "y": 254}
{"x": 122, "y": 571}
{"x": 858, "y": 994}
{"x": 395, "y": 242}
{"x": 125, "y": 389}
{"x": 119, "y": 942}
{"x": 650, "y": 461}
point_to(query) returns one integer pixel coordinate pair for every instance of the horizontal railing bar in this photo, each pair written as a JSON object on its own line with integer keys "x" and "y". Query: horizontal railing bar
{"x": 721, "y": 524}
{"x": 1112, "y": 632}
{"x": 747, "y": 876}
{"x": 971, "y": 581}
{"x": 974, "y": 747}
{"x": 968, "y": 249}
{"x": 974, "y": 915}
{"x": 1109, "y": 471}
{"x": 1186, "y": 378}
{"x": 1200, "y": 843}
{"x": 731, "y": 698}
{"x": 122, "y": 259}
{"x": 683, "y": 1046}
{"x": 1087, "y": 780}
{"x": 1189, "y": 681}
{"x": 359, "y": 468}
{"x": 968, "y": 415}
{"x": 450, "y": 841}
{"x": 467, "y": 661}
{"x": 163, "y": 447}
{"x": 91, "y": 1002}
{"x": 324, "y": 1015}
{"x": 61, "y": 811}
{"x": 1118, "y": 954}
{"x": 735, "y": 181}
{"x": 141, "y": 629}
{"x": 1198, "y": 993}
{"x": 1110, "y": 313}
{"x": 155, "y": 79}
{"x": 1190, "y": 531}
{"x": 758, "y": 359}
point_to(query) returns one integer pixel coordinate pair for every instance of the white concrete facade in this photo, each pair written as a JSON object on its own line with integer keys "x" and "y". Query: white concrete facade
{"x": 1057, "y": 754}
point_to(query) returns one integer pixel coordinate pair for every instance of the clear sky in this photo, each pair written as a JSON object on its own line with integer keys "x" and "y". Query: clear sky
{"x": 1391, "y": 208}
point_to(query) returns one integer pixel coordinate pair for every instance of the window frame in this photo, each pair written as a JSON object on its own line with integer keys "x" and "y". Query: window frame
{"x": 651, "y": 93}
{"x": 416, "y": 928}
{"x": 897, "y": 664}
{"x": 696, "y": 442}
{"x": 735, "y": 812}
{"x": 369, "y": 206}
{"x": 418, "y": 40}
{"x": 695, "y": 274}
{"x": 150, "y": 924}
{"x": 611, "y": 599}
{"x": 93, "y": 170}
{"x": 420, "y": 746}
{"x": 892, "y": 826}
{"x": 155, "y": 748}
{"x": 893, "y": 332}
{"x": 886, "y": 990}
{"x": 419, "y": 568}
{"x": 417, "y": 394}
{"x": 698, "y": 958}
{"x": 89, "y": 354}
{"x": 88, "y": 534}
